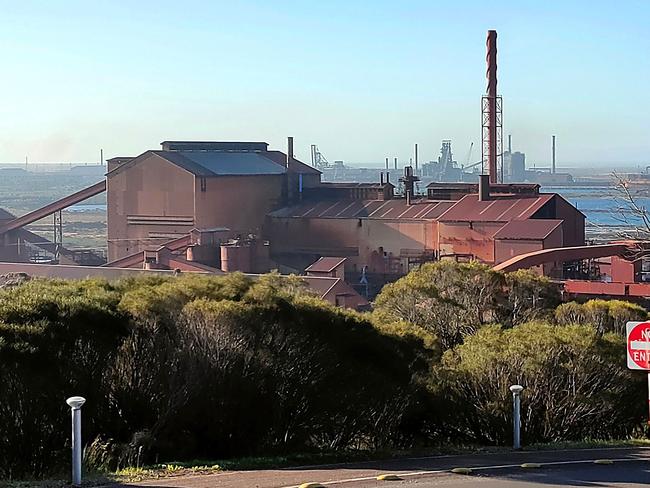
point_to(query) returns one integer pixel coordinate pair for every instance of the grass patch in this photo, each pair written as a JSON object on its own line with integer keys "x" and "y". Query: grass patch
{"x": 204, "y": 466}
{"x": 588, "y": 444}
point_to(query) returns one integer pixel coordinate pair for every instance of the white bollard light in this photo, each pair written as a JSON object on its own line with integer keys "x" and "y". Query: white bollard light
{"x": 516, "y": 405}
{"x": 75, "y": 404}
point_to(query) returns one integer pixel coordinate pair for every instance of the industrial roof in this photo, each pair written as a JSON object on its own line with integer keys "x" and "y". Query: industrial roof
{"x": 324, "y": 285}
{"x": 496, "y": 209}
{"x": 217, "y": 163}
{"x": 222, "y": 162}
{"x": 368, "y": 209}
{"x": 5, "y": 215}
{"x": 295, "y": 166}
{"x": 528, "y": 230}
{"x": 325, "y": 265}
{"x": 213, "y": 146}
{"x": 120, "y": 158}
{"x": 512, "y": 188}
{"x": 379, "y": 186}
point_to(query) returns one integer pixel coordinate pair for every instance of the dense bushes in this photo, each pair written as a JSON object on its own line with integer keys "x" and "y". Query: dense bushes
{"x": 194, "y": 367}
{"x": 454, "y": 300}
{"x": 54, "y": 340}
{"x": 604, "y": 315}
{"x": 577, "y": 384}
{"x": 209, "y": 367}
{"x": 497, "y": 330}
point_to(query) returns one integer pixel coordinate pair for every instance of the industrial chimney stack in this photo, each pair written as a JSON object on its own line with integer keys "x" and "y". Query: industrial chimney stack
{"x": 553, "y": 155}
{"x": 491, "y": 112}
{"x": 492, "y": 100}
{"x": 416, "y": 160}
{"x": 289, "y": 150}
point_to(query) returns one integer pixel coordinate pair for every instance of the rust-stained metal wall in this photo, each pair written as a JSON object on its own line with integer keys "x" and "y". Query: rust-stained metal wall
{"x": 153, "y": 200}
{"x": 151, "y": 188}
{"x": 574, "y": 222}
{"x": 625, "y": 271}
{"x": 468, "y": 238}
{"x": 505, "y": 249}
{"x": 239, "y": 203}
{"x": 362, "y": 241}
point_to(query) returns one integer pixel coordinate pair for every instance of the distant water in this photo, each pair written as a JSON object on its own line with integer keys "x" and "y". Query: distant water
{"x": 80, "y": 207}
{"x": 601, "y": 205}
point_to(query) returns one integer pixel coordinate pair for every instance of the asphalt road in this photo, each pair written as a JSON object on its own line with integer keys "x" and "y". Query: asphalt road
{"x": 630, "y": 468}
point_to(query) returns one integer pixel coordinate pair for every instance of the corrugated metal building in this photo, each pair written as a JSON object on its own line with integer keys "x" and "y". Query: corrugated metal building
{"x": 389, "y": 237}
{"x": 242, "y": 188}
{"x": 159, "y": 195}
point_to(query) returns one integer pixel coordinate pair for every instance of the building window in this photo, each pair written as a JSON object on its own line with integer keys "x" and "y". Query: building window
{"x": 203, "y": 184}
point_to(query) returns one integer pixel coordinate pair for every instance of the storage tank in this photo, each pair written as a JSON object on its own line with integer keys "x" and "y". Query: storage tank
{"x": 236, "y": 256}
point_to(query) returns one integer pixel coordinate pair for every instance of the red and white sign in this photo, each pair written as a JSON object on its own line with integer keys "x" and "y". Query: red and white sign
{"x": 638, "y": 345}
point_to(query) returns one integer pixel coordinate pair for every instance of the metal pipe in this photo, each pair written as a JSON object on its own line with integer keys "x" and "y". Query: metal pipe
{"x": 492, "y": 103}
{"x": 483, "y": 188}
{"x": 75, "y": 404}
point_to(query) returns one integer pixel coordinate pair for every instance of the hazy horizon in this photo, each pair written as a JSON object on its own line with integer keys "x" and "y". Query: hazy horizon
{"x": 361, "y": 80}
{"x": 564, "y": 167}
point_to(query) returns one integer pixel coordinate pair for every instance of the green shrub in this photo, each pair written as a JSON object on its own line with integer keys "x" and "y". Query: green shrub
{"x": 529, "y": 297}
{"x": 603, "y": 315}
{"x": 453, "y": 300}
{"x": 56, "y": 339}
{"x": 196, "y": 367}
{"x": 576, "y": 384}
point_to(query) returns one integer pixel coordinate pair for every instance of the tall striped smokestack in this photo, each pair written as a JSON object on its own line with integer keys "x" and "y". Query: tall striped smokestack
{"x": 492, "y": 103}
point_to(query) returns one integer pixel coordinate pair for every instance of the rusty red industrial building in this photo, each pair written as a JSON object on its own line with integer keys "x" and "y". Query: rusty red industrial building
{"x": 241, "y": 206}
{"x": 238, "y": 206}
